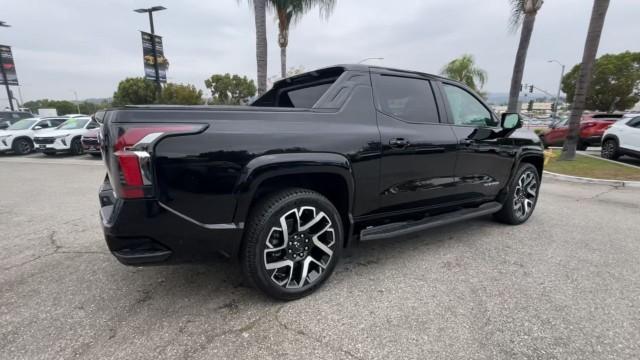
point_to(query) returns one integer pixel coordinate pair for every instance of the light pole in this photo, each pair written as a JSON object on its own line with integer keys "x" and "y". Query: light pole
{"x": 153, "y": 43}
{"x": 555, "y": 107}
{"x": 75, "y": 93}
{"x": 20, "y": 94}
{"x": 370, "y": 58}
{"x": 4, "y": 73}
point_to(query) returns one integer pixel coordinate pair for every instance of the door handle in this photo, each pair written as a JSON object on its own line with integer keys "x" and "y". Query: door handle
{"x": 398, "y": 143}
{"x": 466, "y": 142}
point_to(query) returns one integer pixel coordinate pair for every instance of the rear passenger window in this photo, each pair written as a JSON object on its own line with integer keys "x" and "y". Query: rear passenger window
{"x": 407, "y": 99}
{"x": 306, "y": 97}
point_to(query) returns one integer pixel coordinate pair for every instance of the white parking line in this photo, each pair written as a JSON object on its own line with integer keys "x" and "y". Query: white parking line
{"x": 29, "y": 159}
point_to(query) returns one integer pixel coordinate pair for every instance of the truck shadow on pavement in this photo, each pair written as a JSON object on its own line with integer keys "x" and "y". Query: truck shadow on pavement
{"x": 222, "y": 278}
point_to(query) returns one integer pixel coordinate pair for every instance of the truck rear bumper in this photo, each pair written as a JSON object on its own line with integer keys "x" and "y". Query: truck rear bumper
{"x": 140, "y": 232}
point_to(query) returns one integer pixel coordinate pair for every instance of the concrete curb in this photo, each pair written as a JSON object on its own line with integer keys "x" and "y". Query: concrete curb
{"x": 584, "y": 180}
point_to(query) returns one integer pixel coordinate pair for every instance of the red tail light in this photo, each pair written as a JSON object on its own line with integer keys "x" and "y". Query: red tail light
{"x": 132, "y": 146}
{"x": 132, "y": 186}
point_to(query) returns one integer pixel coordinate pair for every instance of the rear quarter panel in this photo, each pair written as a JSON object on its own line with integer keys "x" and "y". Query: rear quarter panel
{"x": 201, "y": 176}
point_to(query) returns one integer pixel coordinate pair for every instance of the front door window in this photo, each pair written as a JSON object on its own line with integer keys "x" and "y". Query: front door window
{"x": 466, "y": 110}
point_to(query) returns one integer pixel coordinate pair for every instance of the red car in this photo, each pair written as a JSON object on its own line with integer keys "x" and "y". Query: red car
{"x": 592, "y": 126}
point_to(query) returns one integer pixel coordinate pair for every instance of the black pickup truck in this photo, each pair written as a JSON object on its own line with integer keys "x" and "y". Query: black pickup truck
{"x": 321, "y": 161}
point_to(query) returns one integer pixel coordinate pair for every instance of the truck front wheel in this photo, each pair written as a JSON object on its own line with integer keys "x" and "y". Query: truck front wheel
{"x": 522, "y": 197}
{"x": 292, "y": 243}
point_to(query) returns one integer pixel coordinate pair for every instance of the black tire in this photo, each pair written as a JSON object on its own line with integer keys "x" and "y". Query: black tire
{"x": 610, "y": 149}
{"x": 262, "y": 227}
{"x": 76, "y": 147}
{"x": 582, "y": 146}
{"x": 22, "y": 146}
{"x": 510, "y": 213}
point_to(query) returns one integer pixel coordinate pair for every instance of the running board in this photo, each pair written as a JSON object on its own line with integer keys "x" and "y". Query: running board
{"x": 409, "y": 227}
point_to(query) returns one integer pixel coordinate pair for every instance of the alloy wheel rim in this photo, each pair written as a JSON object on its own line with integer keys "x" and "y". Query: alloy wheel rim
{"x": 24, "y": 147}
{"x": 525, "y": 194}
{"x": 608, "y": 148}
{"x": 299, "y": 250}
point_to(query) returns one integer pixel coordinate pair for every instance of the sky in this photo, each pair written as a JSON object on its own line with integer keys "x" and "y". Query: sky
{"x": 88, "y": 46}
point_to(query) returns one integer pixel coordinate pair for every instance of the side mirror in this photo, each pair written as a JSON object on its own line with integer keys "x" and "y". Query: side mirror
{"x": 510, "y": 121}
{"x": 37, "y": 127}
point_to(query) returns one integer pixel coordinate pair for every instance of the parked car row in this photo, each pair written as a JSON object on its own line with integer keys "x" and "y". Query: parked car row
{"x": 622, "y": 138}
{"x": 592, "y": 127}
{"x": 617, "y": 134}
{"x": 51, "y": 135}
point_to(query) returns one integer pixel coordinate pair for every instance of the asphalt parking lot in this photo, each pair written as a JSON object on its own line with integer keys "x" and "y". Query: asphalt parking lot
{"x": 564, "y": 285}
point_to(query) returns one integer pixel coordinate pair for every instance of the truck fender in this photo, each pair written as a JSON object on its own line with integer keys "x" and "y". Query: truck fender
{"x": 528, "y": 153}
{"x": 266, "y": 167}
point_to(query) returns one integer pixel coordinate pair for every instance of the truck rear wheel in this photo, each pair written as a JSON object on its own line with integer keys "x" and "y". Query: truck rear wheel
{"x": 292, "y": 243}
{"x": 523, "y": 196}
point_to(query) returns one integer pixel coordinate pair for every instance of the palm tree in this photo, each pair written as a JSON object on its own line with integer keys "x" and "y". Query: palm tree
{"x": 598, "y": 14}
{"x": 289, "y": 12}
{"x": 522, "y": 12}
{"x": 260, "y": 15}
{"x": 464, "y": 69}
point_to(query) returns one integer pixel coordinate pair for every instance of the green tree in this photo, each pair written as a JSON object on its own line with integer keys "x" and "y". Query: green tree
{"x": 34, "y": 105}
{"x": 289, "y": 12}
{"x": 63, "y": 107}
{"x": 135, "y": 91}
{"x": 140, "y": 91}
{"x": 181, "y": 94}
{"x": 230, "y": 89}
{"x": 615, "y": 82}
{"x": 522, "y": 12}
{"x": 464, "y": 69}
{"x": 87, "y": 107}
{"x": 530, "y": 106}
{"x": 598, "y": 14}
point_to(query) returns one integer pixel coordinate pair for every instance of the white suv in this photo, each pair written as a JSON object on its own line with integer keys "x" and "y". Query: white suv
{"x": 622, "y": 138}
{"x": 66, "y": 137}
{"x": 19, "y": 136}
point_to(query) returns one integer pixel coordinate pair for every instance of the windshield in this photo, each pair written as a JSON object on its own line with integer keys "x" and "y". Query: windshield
{"x": 73, "y": 124}
{"x": 22, "y": 124}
